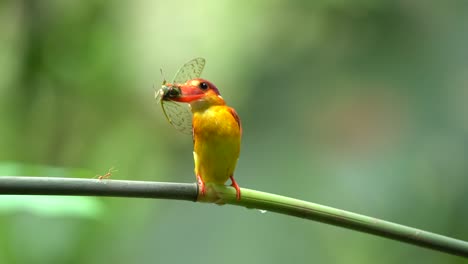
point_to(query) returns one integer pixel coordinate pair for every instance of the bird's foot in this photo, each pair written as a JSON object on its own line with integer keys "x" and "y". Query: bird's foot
{"x": 236, "y": 186}
{"x": 201, "y": 185}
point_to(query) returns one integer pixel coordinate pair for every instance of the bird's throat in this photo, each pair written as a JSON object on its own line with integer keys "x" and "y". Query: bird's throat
{"x": 206, "y": 102}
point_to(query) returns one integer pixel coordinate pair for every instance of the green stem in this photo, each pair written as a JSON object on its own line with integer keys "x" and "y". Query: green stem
{"x": 284, "y": 205}
{"x": 226, "y": 195}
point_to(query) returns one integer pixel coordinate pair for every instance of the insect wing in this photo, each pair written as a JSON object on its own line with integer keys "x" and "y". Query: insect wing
{"x": 179, "y": 115}
{"x": 190, "y": 70}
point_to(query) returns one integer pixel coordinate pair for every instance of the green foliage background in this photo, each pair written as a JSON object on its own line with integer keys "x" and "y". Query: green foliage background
{"x": 360, "y": 105}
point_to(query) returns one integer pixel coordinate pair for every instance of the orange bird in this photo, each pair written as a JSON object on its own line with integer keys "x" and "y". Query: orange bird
{"x": 215, "y": 127}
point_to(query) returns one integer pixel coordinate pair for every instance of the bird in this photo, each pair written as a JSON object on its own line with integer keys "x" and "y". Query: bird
{"x": 216, "y": 130}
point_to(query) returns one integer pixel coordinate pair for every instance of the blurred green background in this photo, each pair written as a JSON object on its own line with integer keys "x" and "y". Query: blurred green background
{"x": 359, "y": 105}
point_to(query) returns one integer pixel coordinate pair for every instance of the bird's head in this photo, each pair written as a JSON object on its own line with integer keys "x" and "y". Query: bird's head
{"x": 199, "y": 93}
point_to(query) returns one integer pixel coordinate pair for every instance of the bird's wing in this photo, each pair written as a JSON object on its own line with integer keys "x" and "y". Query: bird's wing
{"x": 236, "y": 117}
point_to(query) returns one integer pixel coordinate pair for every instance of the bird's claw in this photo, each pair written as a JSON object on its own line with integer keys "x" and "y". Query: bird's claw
{"x": 201, "y": 185}
{"x": 236, "y": 186}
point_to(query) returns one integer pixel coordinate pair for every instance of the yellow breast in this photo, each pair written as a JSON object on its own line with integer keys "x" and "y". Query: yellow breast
{"x": 217, "y": 139}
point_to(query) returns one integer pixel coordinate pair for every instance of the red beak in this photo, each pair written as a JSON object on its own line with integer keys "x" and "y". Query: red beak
{"x": 189, "y": 93}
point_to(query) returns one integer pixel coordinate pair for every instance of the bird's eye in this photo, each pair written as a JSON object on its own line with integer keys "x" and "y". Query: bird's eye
{"x": 203, "y": 85}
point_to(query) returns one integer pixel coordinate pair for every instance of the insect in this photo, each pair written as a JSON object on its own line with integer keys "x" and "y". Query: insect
{"x": 179, "y": 115}
{"x": 107, "y": 175}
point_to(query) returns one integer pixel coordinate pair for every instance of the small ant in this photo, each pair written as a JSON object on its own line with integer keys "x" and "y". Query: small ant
{"x": 107, "y": 175}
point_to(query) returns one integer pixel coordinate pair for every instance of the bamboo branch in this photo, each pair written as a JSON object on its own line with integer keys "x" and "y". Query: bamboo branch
{"x": 96, "y": 187}
{"x": 222, "y": 194}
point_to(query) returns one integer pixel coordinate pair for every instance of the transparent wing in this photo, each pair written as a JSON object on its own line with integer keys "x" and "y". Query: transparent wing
{"x": 189, "y": 70}
{"x": 179, "y": 115}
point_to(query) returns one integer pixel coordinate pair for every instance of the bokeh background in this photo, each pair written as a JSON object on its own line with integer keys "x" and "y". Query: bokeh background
{"x": 359, "y": 105}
